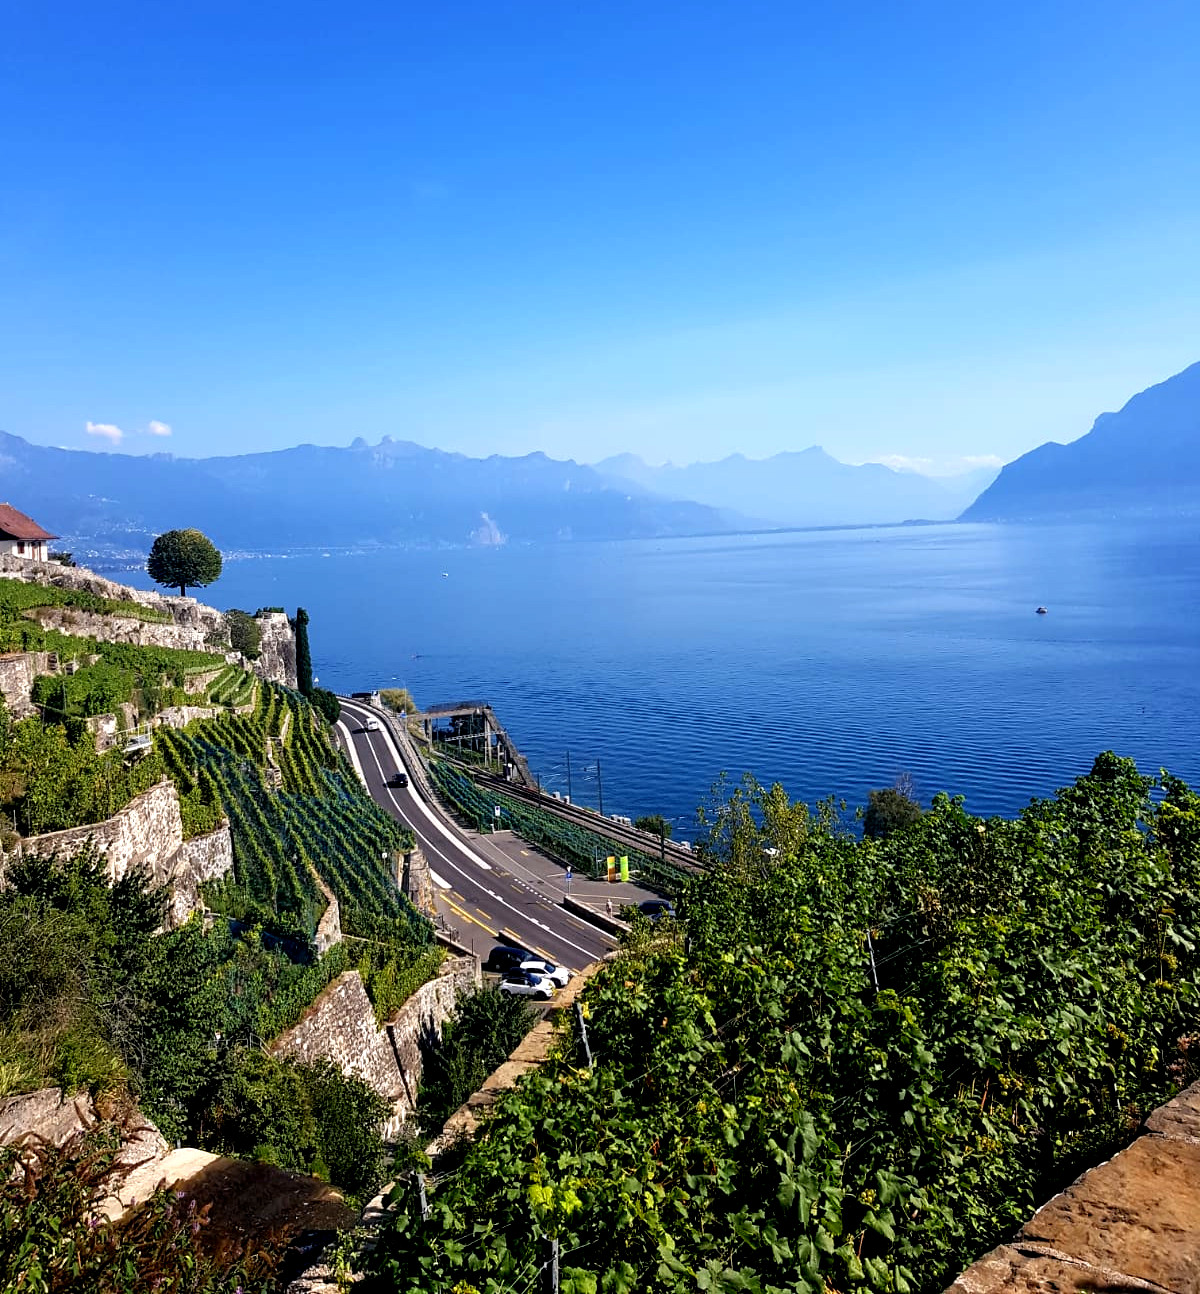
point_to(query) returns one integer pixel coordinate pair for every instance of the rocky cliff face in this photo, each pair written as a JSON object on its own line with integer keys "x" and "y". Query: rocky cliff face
{"x": 277, "y": 652}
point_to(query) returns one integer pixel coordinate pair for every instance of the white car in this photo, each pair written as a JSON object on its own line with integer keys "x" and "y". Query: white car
{"x": 372, "y": 725}
{"x": 557, "y": 975}
{"x": 526, "y": 984}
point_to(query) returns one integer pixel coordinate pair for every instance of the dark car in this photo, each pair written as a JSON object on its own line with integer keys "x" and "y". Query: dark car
{"x": 656, "y": 909}
{"x": 506, "y": 957}
{"x": 399, "y": 779}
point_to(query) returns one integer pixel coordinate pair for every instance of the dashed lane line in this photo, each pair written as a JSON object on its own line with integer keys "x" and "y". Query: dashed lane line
{"x": 453, "y": 866}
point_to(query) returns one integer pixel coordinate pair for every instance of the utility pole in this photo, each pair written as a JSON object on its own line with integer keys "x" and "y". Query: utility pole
{"x": 871, "y": 954}
{"x": 569, "y": 796}
{"x": 587, "y": 1047}
{"x": 600, "y": 787}
{"x": 550, "y": 1267}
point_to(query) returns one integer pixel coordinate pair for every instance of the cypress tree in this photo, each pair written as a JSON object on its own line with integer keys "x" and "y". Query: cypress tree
{"x": 303, "y": 657}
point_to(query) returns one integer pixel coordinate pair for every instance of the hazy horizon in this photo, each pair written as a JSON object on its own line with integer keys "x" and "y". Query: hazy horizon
{"x": 912, "y": 237}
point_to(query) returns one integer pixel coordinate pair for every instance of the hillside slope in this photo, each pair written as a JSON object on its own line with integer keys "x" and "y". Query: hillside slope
{"x": 1140, "y": 460}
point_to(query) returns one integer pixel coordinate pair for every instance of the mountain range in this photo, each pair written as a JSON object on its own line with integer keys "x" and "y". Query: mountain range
{"x": 1140, "y": 460}
{"x": 398, "y": 492}
{"x": 806, "y": 488}
{"x": 395, "y": 492}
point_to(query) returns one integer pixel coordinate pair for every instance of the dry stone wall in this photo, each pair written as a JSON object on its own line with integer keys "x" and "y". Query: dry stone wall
{"x": 193, "y": 625}
{"x": 146, "y": 833}
{"x": 340, "y": 1027}
{"x": 277, "y": 649}
{"x": 203, "y": 858}
{"x": 17, "y": 672}
{"x": 1132, "y": 1223}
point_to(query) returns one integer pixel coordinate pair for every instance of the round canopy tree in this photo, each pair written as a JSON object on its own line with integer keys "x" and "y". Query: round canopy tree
{"x": 183, "y": 557}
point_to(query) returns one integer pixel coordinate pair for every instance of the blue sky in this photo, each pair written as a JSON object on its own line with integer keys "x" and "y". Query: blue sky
{"x": 927, "y": 232}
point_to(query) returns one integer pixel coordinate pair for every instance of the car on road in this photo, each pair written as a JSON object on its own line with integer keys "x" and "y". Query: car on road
{"x": 508, "y": 957}
{"x": 527, "y": 984}
{"x": 371, "y": 725}
{"x": 656, "y": 909}
{"x": 398, "y": 779}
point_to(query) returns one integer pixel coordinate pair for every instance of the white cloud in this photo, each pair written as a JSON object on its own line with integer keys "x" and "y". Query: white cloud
{"x": 110, "y": 431}
{"x": 903, "y": 463}
{"x": 983, "y": 460}
{"x": 157, "y": 428}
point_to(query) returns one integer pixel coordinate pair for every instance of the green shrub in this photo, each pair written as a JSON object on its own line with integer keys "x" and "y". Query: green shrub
{"x": 245, "y": 635}
{"x": 303, "y": 1118}
{"x": 872, "y": 1062}
{"x": 484, "y": 1031}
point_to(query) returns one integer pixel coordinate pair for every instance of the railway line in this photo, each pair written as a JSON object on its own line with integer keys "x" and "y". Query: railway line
{"x": 590, "y": 820}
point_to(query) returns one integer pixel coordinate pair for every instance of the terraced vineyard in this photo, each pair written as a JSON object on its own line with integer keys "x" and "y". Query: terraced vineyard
{"x": 318, "y": 820}
{"x": 573, "y": 844}
{"x": 233, "y": 687}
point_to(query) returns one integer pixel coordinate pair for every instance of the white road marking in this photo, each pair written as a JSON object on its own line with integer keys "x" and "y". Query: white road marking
{"x": 450, "y": 863}
{"x": 350, "y": 750}
{"x": 437, "y": 880}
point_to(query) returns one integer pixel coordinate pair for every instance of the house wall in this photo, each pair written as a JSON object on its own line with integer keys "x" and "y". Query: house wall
{"x": 28, "y": 550}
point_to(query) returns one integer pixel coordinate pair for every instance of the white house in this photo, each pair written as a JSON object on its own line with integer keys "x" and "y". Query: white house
{"x": 21, "y": 536}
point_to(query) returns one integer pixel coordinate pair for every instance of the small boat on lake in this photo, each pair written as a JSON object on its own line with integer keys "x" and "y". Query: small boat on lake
{"x": 1041, "y": 611}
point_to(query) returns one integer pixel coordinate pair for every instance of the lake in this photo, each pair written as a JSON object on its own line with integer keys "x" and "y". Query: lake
{"x": 830, "y": 661}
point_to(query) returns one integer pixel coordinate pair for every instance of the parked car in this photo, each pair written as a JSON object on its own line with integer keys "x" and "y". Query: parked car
{"x": 656, "y": 909}
{"x": 527, "y": 984}
{"x": 507, "y": 957}
{"x": 399, "y": 779}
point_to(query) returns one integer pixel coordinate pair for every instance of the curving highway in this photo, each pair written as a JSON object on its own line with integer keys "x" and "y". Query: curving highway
{"x": 481, "y": 896}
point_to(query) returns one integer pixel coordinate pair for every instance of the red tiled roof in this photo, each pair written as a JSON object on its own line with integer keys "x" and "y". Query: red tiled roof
{"x": 16, "y": 525}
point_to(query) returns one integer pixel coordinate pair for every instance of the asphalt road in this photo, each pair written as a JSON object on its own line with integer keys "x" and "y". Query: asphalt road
{"x": 479, "y": 896}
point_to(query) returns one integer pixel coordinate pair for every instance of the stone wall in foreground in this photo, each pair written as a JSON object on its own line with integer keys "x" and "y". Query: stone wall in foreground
{"x": 1132, "y": 1223}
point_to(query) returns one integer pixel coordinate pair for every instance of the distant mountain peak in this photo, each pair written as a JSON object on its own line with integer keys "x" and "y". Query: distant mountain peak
{"x": 1141, "y": 459}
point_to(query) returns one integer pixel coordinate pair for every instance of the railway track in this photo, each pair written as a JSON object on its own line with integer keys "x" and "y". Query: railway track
{"x": 589, "y": 819}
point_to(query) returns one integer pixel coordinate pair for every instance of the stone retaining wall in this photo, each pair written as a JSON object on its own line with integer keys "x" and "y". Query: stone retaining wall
{"x": 147, "y": 833}
{"x": 192, "y": 625}
{"x": 203, "y": 858}
{"x": 340, "y": 1027}
{"x": 277, "y": 650}
{"x": 1132, "y": 1223}
{"x": 17, "y": 672}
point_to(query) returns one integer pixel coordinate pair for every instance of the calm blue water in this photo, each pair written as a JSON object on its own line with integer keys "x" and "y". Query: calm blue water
{"x": 831, "y": 662}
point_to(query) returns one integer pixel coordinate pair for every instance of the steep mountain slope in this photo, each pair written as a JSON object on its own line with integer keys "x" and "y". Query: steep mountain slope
{"x": 808, "y": 488}
{"x": 1140, "y": 460}
{"x": 392, "y": 493}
